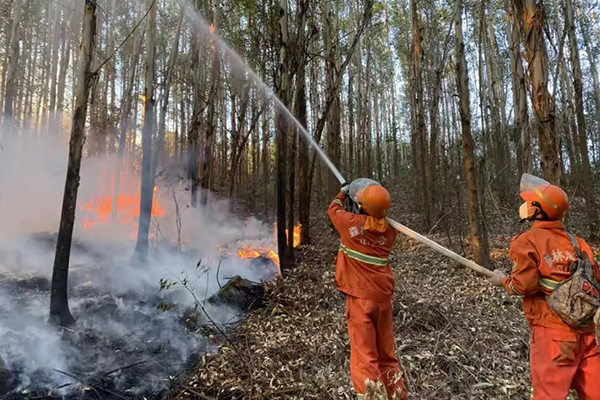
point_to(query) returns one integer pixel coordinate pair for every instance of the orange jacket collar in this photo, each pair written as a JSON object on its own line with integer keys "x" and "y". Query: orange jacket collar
{"x": 549, "y": 225}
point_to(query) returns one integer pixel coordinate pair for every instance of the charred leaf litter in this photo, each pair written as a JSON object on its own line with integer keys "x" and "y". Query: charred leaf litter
{"x": 129, "y": 342}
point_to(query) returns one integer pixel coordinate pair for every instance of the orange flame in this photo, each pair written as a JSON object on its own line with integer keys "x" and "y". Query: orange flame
{"x": 248, "y": 253}
{"x": 123, "y": 209}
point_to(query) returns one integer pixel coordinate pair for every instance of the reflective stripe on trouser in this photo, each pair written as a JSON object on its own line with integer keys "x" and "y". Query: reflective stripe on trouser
{"x": 372, "y": 345}
{"x": 561, "y": 360}
{"x": 572, "y": 392}
{"x": 381, "y": 262}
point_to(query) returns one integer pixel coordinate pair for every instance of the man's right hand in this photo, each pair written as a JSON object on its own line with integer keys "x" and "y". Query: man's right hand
{"x": 497, "y": 278}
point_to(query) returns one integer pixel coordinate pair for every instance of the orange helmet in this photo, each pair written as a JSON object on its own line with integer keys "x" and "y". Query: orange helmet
{"x": 538, "y": 193}
{"x": 375, "y": 200}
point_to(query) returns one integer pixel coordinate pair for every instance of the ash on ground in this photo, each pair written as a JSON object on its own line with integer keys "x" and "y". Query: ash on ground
{"x": 128, "y": 342}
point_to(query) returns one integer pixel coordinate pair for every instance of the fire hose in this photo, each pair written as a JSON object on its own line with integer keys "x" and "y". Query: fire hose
{"x": 360, "y": 183}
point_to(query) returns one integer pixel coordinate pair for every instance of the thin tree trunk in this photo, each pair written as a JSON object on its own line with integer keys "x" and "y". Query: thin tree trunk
{"x": 587, "y": 176}
{"x": 351, "y": 140}
{"x": 59, "y": 305}
{"x": 13, "y": 61}
{"x": 421, "y": 129}
{"x": 519, "y": 94}
{"x": 54, "y": 62}
{"x": 303, "y": 158}
{"x": 128, "y": 96}
{"x": 64, "y": 64}
{"x": 368, "y": 131}
{"x": 166, "y": 94}
{"x": 212, "y": 122}
{"x": 147, "y": 187}
{"x": 281, "y": 127}
{"x": 330, "y": 38}
{"x": 478, "y": 243}
{"x": 584, "y": 26}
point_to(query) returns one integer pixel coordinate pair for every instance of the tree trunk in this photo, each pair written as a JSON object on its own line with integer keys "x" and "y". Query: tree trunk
{"x": 165, "y": 100}
{"x": 531, "y": 15}
{"x": 421, "y": 132}
{"x": 13, "y": 61}
{"x": 281, "y": 127}
{"x": 303, "y": 159}
{"x": 584, "y": 26}
{"x": 479, "y": 245}
{"x": 351, "y": 141}
{"x": 519, "y": 94}
{"x": 587, "y": 176}
{"x": 367, "y": 138}
{"x": 330, "y": 38}
{"x": 59, "y": 305}
{"x": 212, "y": 122}
{"x": 194, "y": 128}
{"x": 147, "y": 187}
{"x": 54, "y": 61}
{"x": 125, "y": 116}
{"x": 64, "y": 63}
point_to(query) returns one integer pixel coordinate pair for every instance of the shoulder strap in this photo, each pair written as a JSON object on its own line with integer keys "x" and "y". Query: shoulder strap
{"x": 582, "y": 256}
{"x": 576, "y": 245}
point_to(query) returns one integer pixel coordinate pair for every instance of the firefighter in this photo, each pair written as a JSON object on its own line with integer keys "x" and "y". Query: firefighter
{"x": 561, "y": 357}
{"x": 364, "y": 275}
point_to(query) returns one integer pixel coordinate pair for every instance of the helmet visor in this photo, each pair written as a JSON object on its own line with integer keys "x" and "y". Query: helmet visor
{"x": 531, "y": 183}
{"x": 359, "y": 184}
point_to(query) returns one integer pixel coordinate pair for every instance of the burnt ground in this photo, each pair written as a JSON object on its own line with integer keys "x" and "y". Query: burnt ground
{"x": 121, "y": 346}
{"x": 129, "y": 342}
{"x": 456, "y": 336}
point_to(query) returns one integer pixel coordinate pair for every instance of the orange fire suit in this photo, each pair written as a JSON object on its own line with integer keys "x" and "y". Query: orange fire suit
{"x": 363, "y": 273}
{"x": 561, "y": 357}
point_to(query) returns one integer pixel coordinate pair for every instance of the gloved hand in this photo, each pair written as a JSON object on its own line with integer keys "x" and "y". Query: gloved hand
{"x": 346, "y": 187}
{"x": 496, "y": 280}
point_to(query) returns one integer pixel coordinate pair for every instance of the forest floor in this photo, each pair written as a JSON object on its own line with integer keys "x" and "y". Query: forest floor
{"x": 456, "y": 336}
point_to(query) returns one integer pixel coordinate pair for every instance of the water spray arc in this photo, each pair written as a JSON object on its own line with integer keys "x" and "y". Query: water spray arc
{"x": 202, "y": 25}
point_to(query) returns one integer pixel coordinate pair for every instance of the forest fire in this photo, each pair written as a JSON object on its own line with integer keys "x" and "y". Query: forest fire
{"x": 99, "y": 211}
{"x": 248, "y": 252}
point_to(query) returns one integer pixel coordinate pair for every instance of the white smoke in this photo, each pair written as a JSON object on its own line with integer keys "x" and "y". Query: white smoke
{"x": 113, "y": 300}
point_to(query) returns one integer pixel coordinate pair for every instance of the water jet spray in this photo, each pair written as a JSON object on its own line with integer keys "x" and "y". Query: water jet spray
{"x": 237, "y": 60}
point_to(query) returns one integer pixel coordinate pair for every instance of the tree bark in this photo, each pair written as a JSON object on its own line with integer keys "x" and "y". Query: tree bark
{"x": 519, "y": 94}
{"x": 584, "y": 26}
{"x": 587, "y": 176}
{"x": 59, "y": 305}
{"x": 330, "y": 38}
{"x": 281, "y": 127}
{"x": 64, "y": 64}
{"x": 167, "y": 92}
{"x": 303, "y": 159}
{"x": 13, "y": 61}
{"x": 147, "y": 187}
{"x": 128, "y": 96}
{"x": 421, "y": 129}
{"x": 531, "y": 15}
{"x": 478, "y": 244}
{"x": 212, "y": 122}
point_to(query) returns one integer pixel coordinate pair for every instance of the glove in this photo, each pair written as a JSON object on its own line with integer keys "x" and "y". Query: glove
{"x": 346, "y": 187}
{"x": 496, "y": 280}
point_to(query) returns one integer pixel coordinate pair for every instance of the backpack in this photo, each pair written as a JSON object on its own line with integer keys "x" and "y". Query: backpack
{"x": 576, "y": 300}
